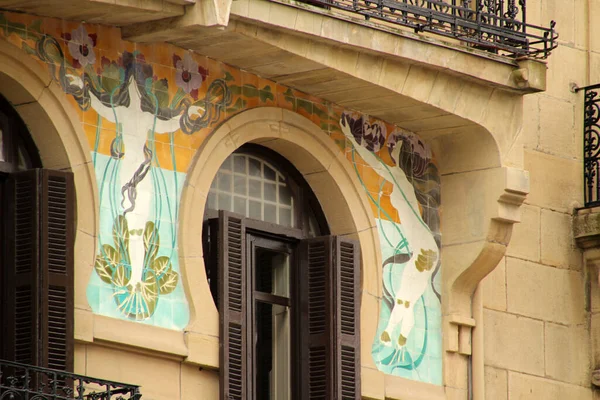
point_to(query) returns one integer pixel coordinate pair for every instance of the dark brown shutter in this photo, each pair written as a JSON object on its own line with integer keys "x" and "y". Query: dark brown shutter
{"x": 57, "y": 239}
{"x": 22, "y": 275}
{"x": 234, "y": 371}
{"x": 347, "y": 308}
{"x": 329, "y": 299}
{"x": 40, "y": 241}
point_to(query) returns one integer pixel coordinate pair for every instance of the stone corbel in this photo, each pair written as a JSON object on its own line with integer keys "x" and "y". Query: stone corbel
{"x": 458, "y": 334}
{"x": 511, "y": 187}
{"x": 531, "y": 75}
{"x": 201, "y": 18}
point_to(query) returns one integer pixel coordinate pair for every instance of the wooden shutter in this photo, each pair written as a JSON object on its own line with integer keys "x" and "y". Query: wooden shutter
{"x": 329, "y": 290}
{"x": 57, "y": 239}
{"x": 21, "y": 305}
{"x": 234, "y": 366}
{"x": 347, "y": 309}
{"x": 40, "y": 240}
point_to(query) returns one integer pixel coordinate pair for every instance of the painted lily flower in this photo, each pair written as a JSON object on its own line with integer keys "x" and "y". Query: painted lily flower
{"x": 414, "y": 155}
{"x": 188, "y": 74}
{"x": 81, "y": 46}
{"x": 374, "y": 135}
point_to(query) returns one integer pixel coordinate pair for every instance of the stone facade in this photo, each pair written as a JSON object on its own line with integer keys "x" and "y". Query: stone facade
{"x": 506, "y": 309}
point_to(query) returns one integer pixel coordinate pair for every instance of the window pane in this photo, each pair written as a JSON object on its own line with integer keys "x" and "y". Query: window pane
{"x": 254, "y": 209}
{"x": 239, "y": 184}
{"x": 272, "y": 272}
{"x": 254, "y": 167}
{"x": 270, "y": 191}
{"x": 270, "y": 213}
{"x": 285, "y": 195}
{"x": 224, "y": 202}
{"x": 212, "y": 201}
{"x": 239, "y": 164}
{"x": 254, "y": 188}
{"x": 269, "y": 173}
{"x": 224, "y": 181}
{"x": 285, "y": 216}
{"x": 272, "y": 352}
{"x": 239, "y": 205}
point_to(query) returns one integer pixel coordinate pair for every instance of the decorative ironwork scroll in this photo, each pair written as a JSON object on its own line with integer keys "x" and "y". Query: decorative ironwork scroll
{"x": 24, "y": 382}
{"x": 591, "y": 146}
{"x": 498, "y": 26}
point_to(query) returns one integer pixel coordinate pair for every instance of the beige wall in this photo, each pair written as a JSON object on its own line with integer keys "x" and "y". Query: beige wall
{"x": 537, "y": 340}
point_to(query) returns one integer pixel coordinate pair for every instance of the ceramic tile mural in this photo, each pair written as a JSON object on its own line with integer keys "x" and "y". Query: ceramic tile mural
{"x": 147, "y": 109}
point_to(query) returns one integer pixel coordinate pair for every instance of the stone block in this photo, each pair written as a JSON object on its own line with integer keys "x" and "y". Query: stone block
{"x": 372, "y": 383}
{"x": 79, "y": 361}
{"x": 493, "y": 288}
{"x": 557, "y": 124}
{"x": 198, "y": 383}
{"x": 496, "y": 384}
{"x": 566, "y": 65}
{"x": 159, "y": 377}
{"x": 369, "y": 320}
{"x": 567, "y": 353}
{"x": 563, "y": 12}
{"x": 556, "y": 182}
{"x": 525, "y": 239}
{"x": 557, "y": 245}
{"x": 547, "y": 293}
{"x": 525, "y": 387}
{"x": 513, "y": 342}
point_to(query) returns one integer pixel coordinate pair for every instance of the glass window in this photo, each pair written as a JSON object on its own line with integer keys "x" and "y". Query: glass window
{"x": 248, "y": 185}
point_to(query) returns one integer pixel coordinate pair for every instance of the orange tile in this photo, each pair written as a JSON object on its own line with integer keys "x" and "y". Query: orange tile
{"x": 183, "y": 140}
{"x": 163, "y": 55}
{"x": 183, "y": 158}
{"x": 249, "y": 79}
{"x": 52, "y": 27}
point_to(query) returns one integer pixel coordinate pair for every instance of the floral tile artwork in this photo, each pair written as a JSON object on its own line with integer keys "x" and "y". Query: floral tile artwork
{"x": 147, "y": 109}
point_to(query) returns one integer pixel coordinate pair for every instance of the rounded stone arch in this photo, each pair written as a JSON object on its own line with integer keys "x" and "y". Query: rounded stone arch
{"x": 322, "y": 164}
{"x": 56, "y": 130}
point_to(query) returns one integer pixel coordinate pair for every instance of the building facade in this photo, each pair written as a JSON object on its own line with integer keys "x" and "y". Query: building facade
{"x": 259, "y": 199}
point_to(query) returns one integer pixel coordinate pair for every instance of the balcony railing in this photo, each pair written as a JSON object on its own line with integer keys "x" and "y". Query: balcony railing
{"x": 591, "y": 146}
{"x": 498, "y": 26}
{"x": 25, "y": 382}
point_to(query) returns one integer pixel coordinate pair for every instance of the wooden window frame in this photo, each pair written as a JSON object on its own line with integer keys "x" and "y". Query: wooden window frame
{"x": 237, "y": 371}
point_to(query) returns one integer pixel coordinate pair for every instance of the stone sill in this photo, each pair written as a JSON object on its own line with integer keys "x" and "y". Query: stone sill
{"x": 203, "y": 350}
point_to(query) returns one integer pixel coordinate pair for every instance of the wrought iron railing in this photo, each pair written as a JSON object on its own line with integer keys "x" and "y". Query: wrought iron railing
{"x": 499, "y": 26}
{"x": 25, "y": 382}
{"x": 591, "y": 146}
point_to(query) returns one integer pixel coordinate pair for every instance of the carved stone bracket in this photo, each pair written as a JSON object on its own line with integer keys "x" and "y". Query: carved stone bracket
{"x": 586, "y": 231}
{"x": 468, "y": 263}
{"x": 458, "y": 334}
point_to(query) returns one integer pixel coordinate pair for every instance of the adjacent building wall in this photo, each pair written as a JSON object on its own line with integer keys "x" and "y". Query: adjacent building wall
{"x": 536, "y": 331}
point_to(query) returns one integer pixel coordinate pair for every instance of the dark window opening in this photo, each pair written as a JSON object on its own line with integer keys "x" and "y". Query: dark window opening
{"x": 276, "y": 281}
{"x": 36, "y": 252}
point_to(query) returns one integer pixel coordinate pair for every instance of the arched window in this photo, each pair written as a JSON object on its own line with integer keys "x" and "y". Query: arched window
{"x": 288, "y": 293}
{"x": 17, "y": 150}
{"x": 36, "y": 252}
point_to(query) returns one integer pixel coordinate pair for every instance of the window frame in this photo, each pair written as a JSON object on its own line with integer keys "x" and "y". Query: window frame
{"x": 225, "y": 268}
